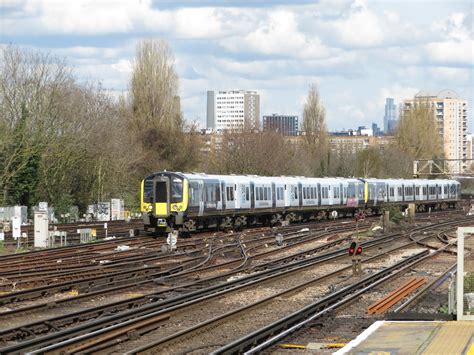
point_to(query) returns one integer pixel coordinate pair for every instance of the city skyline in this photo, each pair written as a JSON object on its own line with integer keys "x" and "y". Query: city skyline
{"x": 270, "y": 47}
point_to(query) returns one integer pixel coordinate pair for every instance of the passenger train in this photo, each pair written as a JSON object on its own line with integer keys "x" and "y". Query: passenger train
{"x": 190, "y": 202}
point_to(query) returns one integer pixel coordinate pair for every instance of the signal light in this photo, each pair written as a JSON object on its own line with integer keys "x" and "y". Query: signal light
{"x": 352, "y": 248}
{"x": 359, "y": 250}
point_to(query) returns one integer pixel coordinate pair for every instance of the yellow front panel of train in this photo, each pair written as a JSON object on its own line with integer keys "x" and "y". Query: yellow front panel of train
{"x": 366, "y": 192}
{"x": 161, "y": 209}
{"x": 144, "y": 206}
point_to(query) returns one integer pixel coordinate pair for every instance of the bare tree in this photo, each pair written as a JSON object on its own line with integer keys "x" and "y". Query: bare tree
{"x": 248, "y": 151}
{"x": 315, "y": 132}
{"x": 154, "y": 88}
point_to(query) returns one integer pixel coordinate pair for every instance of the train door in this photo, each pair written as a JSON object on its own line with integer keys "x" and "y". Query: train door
{"x": 372, "y": 200}
{"x": 341, "y": 194}
{"x": 319, "y": 194}
{"x": 237, "y": 194}
{"x": 252, "y": 195}
{"x": 300, "y": 194}
{"x": 201, "y": 197}
{"x": 403, "y": 192}
{"x": 161, "y": 188}
{"x": 223, "y": 195}
{"x": 273, "y": 196}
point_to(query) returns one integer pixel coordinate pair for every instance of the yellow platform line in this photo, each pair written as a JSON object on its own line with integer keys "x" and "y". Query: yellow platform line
{"x": 452, "y": 338}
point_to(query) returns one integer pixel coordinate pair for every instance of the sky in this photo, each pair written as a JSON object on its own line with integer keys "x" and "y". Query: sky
{"x": 357, "y": 52}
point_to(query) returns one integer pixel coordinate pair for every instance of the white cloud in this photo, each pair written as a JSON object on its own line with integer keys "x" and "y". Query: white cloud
{"x": 359, "y": 51}
{"x": 277, "y": 33}
{"x": 452, "y": 52}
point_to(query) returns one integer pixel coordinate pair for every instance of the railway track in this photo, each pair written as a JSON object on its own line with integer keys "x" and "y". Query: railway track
{"x": 254, "y": 256}
{"x": 182, "y": 300}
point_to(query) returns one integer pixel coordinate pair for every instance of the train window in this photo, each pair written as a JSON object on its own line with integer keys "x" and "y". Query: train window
{"x": 148, "y": 191}
{"x": 209, "y": 193}
{"x": 265, "y": 194}
{"x": 453, "y": 189}
{"x": 160, "y": 192}
{"x": 445, "y": 189}
{"x": 336, "y": 192}
{"x": 417, "y": 190}
{"x": 194, "y": 194}
{"x": 399, "y": 191}
{"x": 247, "y": 193}
{"x": 325, "y": 192}
{"x": 295, "y": 193}
{"x": 392, "y": 192}
{"x": 218, "y": 193}
{"x": 312, "y": 192}
{"x": 176, "y": 190}
{"x": 345, "y": 192}
{"x": 439, "y": 189}
{"x": 424, "y": 190}
{"x": 351, "y": 190}
{"x": 230, "y": 193}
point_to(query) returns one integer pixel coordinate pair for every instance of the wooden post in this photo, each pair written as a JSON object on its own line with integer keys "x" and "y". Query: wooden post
{"x": 386, "y": 221}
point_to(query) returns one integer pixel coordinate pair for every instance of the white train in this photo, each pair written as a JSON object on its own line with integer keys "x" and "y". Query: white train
{"x": 192, "y": 201}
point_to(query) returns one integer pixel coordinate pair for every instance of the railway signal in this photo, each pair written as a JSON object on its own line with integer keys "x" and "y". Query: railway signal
{"x": 355, "y": 252}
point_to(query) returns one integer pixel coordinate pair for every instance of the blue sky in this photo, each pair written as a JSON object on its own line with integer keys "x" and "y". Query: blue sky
{"x": 357, "y": 52}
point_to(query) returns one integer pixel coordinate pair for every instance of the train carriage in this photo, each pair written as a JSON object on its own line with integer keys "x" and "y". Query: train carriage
{"x": 191, "y": 201}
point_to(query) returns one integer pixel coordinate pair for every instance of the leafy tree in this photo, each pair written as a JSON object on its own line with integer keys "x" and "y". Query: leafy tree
{"x": 368, "y": 163}
{"x": 417, "y": 133}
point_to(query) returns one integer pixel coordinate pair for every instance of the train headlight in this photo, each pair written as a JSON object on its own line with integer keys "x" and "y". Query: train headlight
{"x": 150, "y": 208}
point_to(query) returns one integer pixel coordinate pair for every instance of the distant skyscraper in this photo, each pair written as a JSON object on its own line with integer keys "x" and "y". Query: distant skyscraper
{"x": 227, "y": 110}
{"x": 390, "y": 117}
{"x": 286, "y": 125}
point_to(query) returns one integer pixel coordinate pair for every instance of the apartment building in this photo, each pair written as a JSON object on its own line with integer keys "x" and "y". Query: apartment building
{"x": 232, "y": 110}
{"x": 451, "y": 116}
{"x": 284, "y": 124}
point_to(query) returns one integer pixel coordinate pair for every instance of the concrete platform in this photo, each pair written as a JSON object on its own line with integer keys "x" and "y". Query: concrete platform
{"x": 400, "y": 337}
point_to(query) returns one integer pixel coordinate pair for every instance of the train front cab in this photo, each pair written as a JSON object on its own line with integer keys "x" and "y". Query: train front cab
{"x": 163, "y": 202}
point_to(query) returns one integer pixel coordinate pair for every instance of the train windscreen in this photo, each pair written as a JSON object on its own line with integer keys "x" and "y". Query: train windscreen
{"x": 176, "y": 190}
{"x": 148, "y": 191}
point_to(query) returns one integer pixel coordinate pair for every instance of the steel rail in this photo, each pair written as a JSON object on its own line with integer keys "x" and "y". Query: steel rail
{"x": 84, "y": 338}
{"x": 165, "y": 305}
{"x": 149, "y": 298}
{"x": 431, "y": 285}
{"x": 287, "y": 325}
{"x": 199, "y": 293}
